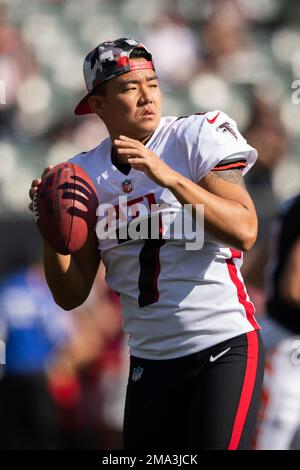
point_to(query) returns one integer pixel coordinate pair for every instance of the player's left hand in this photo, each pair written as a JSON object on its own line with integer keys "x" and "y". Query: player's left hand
{"x": 141, "y": 158}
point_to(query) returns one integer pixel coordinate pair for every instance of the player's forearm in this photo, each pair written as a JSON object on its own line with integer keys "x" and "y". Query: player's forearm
{"x": 64, "y": 278}
{"x": 228, "y": 220}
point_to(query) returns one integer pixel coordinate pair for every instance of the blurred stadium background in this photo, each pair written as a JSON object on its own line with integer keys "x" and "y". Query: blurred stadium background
{"x": 241, "y": 56}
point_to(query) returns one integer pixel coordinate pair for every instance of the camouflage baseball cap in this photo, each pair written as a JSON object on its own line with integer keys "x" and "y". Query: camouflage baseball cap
{"x": 106, "y": 61}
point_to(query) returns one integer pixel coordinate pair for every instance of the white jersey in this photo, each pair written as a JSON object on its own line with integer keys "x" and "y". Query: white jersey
{"x": 175, "y": 302}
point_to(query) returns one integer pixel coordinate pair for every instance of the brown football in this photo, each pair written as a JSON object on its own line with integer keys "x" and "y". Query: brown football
{"x": 65, "y": 207}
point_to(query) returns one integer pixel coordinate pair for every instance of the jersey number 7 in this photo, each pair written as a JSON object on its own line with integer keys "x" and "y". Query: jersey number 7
{"x": 149, "y": 267}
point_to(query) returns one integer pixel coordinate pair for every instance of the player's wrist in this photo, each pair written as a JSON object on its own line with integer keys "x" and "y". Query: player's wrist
{"x": 172, "y": 180}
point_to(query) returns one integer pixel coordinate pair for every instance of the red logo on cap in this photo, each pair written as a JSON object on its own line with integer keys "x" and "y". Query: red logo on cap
{"x": 122, "y": 61}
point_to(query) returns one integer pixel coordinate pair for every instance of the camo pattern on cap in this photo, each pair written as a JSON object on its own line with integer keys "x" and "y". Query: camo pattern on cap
{"x": 106, "y": 61}
{"x": 109, "y": 59}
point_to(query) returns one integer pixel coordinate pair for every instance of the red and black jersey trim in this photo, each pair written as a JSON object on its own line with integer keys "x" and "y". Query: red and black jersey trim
{"x": 194, "y": 114}
{"x": 230, "y": 165}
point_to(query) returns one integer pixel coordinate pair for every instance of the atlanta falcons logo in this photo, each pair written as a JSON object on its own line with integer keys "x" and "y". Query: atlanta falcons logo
{"x": 226, "y": 127}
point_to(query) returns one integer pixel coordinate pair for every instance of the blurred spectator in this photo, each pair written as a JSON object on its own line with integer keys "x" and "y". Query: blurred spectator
{"x": 17, "y": 62}
{"x": 64, "y": 380}
{"x": 230, "y": 11}
{"x": 279, "y": 422}
{"x": 105, "y": 379}
{"x": 222, "y": 39}
{"x": 267, "y": 134}
{"x": 32, "y": 327}
{"x": 69, "y": 136}
{"x": 174, "y": 48}
{"x": 89, "y": 374}
{"x": 228, "y": 49}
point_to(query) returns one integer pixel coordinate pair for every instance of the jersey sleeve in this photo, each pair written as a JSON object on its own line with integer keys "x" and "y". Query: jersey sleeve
{"x": 212, "y": 141}
{"x": 79, "y": 160}
{"x": 85, "y": 160}
{"x": 236, "y": 162}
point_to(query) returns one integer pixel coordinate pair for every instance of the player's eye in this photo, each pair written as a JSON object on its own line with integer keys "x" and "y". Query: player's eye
{"x": 130, "y": 89}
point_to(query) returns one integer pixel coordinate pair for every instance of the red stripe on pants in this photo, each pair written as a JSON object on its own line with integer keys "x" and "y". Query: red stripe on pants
{"x": 240, "y": 287}
{"x": 247, "y": 390}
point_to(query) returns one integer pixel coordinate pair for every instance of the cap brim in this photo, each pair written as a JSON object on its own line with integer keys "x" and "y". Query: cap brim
{"x": 83, "y": 106}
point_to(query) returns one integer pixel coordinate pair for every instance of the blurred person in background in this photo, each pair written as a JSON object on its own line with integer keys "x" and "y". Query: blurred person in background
{"x": 221, "y": 40}
{"x": 88, "y": 374}
{"x": 17, "y": 63}
{"x": 32, "y": 327}
{"x": 106, "y": 378}
{"x": 61, "y": 386}
{"x": 267, "y": 134}
{"x": 279, "y": 417}
{"x": 225, "y": 42}
{"x": 171, "y": 28}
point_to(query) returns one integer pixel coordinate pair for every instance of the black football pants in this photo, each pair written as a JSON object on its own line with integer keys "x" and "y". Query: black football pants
{"x": 208, "y": 400}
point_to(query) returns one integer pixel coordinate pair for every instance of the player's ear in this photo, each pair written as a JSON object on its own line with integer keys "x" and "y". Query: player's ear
{"x": 96, "y": 104}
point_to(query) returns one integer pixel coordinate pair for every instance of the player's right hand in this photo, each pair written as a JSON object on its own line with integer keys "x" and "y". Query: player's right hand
{"x": 36, "y": 184}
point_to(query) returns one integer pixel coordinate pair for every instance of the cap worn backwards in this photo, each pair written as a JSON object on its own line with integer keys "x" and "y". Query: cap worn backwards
{"x": 108, "y": 60}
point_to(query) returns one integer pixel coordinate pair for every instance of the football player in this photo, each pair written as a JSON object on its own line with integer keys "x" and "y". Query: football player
{"x": 196, "y": 355}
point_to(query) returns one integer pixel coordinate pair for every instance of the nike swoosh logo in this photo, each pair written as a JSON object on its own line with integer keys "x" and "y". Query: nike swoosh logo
{"x": 211, "y": 121}
{"x": 214, "y": 358}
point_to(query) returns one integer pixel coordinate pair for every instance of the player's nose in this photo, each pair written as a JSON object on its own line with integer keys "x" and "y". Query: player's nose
{"x": 145, "y": 96}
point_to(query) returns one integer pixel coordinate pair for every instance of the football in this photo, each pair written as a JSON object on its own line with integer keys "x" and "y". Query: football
{"x": 65, "y": 207}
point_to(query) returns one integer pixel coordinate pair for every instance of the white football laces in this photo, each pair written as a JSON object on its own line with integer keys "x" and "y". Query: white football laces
{"x": 34, "y": 208}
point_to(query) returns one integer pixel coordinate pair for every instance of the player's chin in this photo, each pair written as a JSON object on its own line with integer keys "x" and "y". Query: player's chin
{"x": 148, "y": 122}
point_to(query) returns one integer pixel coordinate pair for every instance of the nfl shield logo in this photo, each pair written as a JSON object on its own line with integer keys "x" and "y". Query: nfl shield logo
{"x": 127, "y": 186}
{"x": 137, "y": 373}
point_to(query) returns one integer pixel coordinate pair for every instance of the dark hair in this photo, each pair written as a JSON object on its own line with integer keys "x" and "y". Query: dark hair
{"x": 137, "y": 53}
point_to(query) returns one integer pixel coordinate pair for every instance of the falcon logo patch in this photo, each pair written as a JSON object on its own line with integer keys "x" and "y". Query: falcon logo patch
{"x": 226, "y": 127}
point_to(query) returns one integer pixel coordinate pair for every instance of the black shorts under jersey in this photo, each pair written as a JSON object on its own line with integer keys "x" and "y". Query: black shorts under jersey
{"x": 208, "y": 400}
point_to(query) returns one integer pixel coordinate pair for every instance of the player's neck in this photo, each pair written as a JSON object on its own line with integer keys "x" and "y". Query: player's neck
{"x": 143, "y": 140}
{"x": 146, "y": 139}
